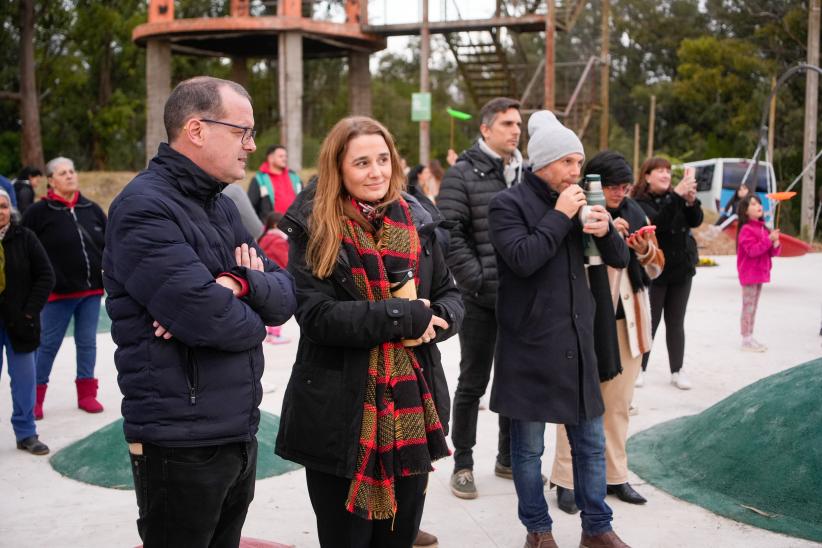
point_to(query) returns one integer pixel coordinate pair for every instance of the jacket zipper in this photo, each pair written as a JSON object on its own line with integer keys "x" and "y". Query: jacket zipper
{"x": 191, "y": 378}
{"x": 83, "y": 246}
{"x": 253, "y": 389}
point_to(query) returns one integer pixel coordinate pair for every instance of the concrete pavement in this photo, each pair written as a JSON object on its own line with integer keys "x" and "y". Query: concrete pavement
{"x": 38, "y": 507}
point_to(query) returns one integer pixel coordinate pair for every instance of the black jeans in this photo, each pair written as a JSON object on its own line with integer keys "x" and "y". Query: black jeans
{"x": 194, "y": 497}
{"x": 339, "y": 528}
{"x": 672, "y": 299}
{"x": 478, "y": 337}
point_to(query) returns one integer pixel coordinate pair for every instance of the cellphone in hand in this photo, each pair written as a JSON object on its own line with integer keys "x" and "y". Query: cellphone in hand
{"x": 646, "y": 228}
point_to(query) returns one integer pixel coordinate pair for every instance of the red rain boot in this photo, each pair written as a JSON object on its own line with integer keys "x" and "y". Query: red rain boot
{"x": 87, "y": 395}
{"x": 38, "y": 404}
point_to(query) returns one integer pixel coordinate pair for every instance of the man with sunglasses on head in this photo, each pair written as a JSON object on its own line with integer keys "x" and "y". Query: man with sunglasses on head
{"x": 189, "y": 295}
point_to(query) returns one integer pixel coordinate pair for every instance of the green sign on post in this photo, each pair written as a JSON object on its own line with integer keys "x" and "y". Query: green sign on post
{"x": 420, "y": 107}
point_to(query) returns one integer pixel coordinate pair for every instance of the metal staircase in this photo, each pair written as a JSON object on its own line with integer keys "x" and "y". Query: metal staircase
{"x": 492, "y": 63}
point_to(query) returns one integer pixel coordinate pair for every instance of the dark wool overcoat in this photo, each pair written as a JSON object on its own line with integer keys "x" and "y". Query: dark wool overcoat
{"x": 465, "y": 192}
{"x": 29, "y": 279}
{"x": 322, "y": 408}
{"x": 545, "y": 364}
{"x": 171, "y": 234}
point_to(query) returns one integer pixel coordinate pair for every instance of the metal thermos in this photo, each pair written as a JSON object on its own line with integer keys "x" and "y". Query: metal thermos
{"x": 593, "y": 196}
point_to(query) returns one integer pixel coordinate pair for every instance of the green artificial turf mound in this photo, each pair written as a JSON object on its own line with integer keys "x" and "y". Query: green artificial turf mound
{"x": 102, "y": 458}
{"x": 755, "y": 457}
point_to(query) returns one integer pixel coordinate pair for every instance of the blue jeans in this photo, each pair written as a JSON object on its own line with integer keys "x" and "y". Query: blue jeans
{"x": 21, "y": 373}
{"x": 55, "y": 319}
{"x": 587, "y": 441}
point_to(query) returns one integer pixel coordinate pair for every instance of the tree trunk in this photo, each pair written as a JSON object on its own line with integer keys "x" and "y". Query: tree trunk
{"x": 31, "y": 149}
{"x": 98, "y": 152}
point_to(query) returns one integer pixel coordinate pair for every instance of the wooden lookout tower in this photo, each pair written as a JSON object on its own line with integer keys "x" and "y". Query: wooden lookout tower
{"x": 489, "y": 60}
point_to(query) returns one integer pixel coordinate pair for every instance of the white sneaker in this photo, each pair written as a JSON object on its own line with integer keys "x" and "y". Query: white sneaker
{"x": 681, "y": 381}
{"x": 640, "y": 380}
{"x": 750, "y": 345}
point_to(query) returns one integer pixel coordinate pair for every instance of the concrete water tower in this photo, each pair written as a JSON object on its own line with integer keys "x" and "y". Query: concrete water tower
{"x": 287, "y": 36}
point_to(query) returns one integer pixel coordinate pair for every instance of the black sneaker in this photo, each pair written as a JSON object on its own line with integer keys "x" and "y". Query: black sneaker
{"x": 33, "y": 445}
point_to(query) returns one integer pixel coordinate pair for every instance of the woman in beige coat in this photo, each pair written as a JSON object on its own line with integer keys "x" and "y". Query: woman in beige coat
{"x": 629, "y": 289}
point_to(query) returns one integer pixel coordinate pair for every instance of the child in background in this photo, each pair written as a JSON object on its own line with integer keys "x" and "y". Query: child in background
{"x": 755, "y": 245}
{"x": 274, "y": 243}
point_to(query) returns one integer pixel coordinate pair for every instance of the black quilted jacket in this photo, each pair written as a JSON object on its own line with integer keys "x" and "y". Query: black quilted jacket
{"x": 466, "y": 190}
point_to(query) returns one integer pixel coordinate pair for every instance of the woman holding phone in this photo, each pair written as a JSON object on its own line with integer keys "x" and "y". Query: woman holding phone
{"x": 374, "y": 297}
{"x": 674, "y": 211}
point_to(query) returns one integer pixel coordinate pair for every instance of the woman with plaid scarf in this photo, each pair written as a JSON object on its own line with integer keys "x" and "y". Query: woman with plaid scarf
{"x": 367, "y": 405}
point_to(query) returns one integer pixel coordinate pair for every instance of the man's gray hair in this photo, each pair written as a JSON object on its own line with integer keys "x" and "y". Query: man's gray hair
{"x": 51, "y": 167}
{"x": 493, "y": 107}
{"x": 196, "y": 96}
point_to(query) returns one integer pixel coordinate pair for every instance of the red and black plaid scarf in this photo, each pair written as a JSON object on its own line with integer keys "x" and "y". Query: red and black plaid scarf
{"x": 401, "y": 432}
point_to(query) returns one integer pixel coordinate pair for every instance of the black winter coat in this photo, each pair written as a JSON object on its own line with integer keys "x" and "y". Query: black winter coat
{"x": 74, "y": 239}
{"x": 545, "y": 364}
{"x": 322, "y": 408}
{"x": 674, "y": 219}
{"x": 465, "y": 192}
{"x": 25, "y": 194}
{"x": 29, "y": 279}
{"x": 170, "y": 235}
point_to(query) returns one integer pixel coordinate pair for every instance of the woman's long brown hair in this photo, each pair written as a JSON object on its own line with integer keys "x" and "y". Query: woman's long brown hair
{"x": 326, "y": 222}
{"x": 640, "y": 189}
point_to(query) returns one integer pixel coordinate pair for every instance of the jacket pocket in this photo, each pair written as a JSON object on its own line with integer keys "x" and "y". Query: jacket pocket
{"x": 314, "y": 417}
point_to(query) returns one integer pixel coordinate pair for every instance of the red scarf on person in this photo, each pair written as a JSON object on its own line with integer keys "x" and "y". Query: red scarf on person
{"x": 401, "y": 433}
{"x": 51, "y": 195}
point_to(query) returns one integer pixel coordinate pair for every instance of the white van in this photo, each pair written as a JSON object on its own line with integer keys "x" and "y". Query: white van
{"x": 718, "y": 179}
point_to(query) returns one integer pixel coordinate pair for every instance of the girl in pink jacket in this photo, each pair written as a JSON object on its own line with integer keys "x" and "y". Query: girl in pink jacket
{"x": 755, "y": 245}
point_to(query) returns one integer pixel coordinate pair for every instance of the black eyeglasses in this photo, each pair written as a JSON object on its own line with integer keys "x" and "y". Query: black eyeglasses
{"x": 248, "y": 132}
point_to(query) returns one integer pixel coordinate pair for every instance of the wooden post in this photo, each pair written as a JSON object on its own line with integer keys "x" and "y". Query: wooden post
{"x": 160, "y": 10}
{"x": 239, "y": 70}
{"x": 158, "y": 88}
{"x": 604, "y": 75}
{"x": 772, "y": 121}
{"x": 811, "y": 104}
{"x": 549, "y": 102}
{"x": 651, "y": 121}
{"x": 636, "y": 150}
{"x": 425, "y": 87}
{"x": 290, "y": 67}
{"x": 31, "y": 149}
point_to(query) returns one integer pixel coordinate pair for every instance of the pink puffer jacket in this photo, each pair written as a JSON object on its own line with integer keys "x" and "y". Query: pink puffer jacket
{"x": 753, "y": 254}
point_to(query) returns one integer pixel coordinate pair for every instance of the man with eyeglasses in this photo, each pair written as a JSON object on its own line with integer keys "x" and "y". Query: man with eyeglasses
{"x": 274, "y": 186}
{"x": 189, "y": 295}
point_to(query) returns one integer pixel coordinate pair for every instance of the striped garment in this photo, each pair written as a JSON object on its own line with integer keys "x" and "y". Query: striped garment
{"x": 401, "y": 433}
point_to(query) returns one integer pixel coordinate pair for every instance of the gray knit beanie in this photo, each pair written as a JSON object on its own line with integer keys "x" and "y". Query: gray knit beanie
{"x": 550, "y": 140}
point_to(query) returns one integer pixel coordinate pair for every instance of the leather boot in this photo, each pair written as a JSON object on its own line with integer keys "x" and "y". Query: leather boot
{"x": 565, "y": 499}
{"x": 540, "y": 540}
{"x": 605, "y": 540}
{"x": 38, "y": 404}
{"x": 87, "y": 396}
{"x": 425, "y": 539}
{"x": 626, "y": 493}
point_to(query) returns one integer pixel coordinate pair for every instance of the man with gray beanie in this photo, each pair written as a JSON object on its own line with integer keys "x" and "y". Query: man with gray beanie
{"x": 545, "y": 359}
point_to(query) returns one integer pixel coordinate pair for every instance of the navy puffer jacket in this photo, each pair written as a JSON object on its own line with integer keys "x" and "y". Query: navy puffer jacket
{"x": 170, "y": 234}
